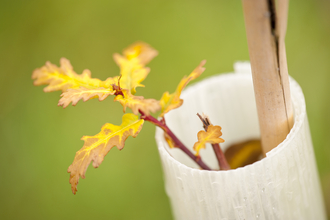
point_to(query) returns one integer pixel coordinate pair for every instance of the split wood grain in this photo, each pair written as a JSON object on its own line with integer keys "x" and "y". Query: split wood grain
{"x": 265, "y": 34}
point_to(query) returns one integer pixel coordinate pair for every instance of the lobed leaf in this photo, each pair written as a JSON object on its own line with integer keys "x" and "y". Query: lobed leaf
{"x": 74, "y": 95}
{"x": 212, "y": 135}
{"x": 172, "y": 101}
{"x": 132, "y": 65}
{"x": 96, "y": 147}
{"x": 64, "y": 77}
{"x": 137, "y": 103}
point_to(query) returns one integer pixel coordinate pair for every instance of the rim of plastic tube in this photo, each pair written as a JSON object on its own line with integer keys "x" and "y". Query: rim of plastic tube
{"x": 299, "y": 107}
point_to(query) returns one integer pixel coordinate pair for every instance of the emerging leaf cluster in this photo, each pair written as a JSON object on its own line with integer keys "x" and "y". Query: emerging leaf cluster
{"x": 133, "y": 71}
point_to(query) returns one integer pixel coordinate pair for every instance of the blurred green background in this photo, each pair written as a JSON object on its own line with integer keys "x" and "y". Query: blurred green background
{"x": 39, "y": 139}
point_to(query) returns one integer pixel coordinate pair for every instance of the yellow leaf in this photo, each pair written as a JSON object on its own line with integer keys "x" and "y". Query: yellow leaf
{"x": 132, "y": 65}
{"x": 64, "y": 77}
{"x": 169, "y": 140}
{"x": 137, "y": 103}
{"x": 172, "y": 101}
{"x": 74, "y": 95}
{"x": 96, "y": 147}
{"x": 243, "y": 153}
{"x": 212, "y": 135}
{"x": 109, "y": 82}
{"x": 141, "y": 51}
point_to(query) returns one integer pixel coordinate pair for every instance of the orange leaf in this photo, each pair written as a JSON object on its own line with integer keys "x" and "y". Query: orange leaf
{"x": 172, "y": 101}
{"x": 96, "y": 147}
{"x": 212, "y": 135}
{"x": 137, "y": 103}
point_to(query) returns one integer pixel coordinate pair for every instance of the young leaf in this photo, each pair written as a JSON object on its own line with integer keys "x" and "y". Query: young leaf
{"x": 64, "y": 77}
{"x": 74, "y": 95}
{"x": 212, "y": 135}
{"x": 96, "y": 147}
{"x": 137, "y": 103}
{"x": 172, "y": 101}
{"x": 132, "y": 65}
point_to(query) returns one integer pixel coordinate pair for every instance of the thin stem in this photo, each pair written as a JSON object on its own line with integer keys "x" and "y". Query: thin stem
{"x": 222, "y": 161}
{"x": 177, "y": 142}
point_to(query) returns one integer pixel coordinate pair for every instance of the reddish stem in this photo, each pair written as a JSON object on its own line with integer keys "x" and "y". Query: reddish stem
{"x": 177, "y": 142}
{"x": 222, "y": 161}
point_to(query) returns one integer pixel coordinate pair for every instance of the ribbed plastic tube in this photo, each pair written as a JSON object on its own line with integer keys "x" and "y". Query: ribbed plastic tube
{"x": 283, "y": 185}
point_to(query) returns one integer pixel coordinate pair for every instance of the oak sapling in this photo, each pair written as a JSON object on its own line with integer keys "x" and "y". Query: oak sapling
{"x": 133, "y": 71}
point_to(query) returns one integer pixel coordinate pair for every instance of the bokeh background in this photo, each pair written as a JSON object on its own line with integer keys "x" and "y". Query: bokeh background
{"x": 39, "y": 140}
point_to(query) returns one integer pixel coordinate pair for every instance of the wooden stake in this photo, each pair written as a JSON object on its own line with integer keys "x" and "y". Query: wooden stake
{"x": 265, "y": 34}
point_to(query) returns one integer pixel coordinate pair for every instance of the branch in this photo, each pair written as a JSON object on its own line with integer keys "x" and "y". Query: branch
{"x": 177, "y": 142}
